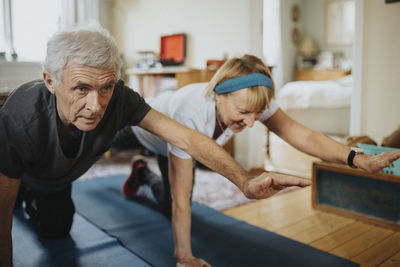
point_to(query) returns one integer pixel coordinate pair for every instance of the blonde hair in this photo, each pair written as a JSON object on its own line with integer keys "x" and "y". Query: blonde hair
{"x": 258, "y": 98}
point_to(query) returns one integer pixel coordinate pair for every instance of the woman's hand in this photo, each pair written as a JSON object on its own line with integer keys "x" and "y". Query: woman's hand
{"x": 268, "y": 184}
{"x": 191, "y": 262}
{"x": 375, "y": 163}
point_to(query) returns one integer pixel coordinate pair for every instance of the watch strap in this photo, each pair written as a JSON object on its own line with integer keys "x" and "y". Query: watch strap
{"x": 353, "y": 152}
{"x": 350, "y": 158}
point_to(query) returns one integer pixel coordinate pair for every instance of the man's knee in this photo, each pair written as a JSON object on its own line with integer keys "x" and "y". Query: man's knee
{"x": 51, "y": 213}
{"x": 55, "y": 223}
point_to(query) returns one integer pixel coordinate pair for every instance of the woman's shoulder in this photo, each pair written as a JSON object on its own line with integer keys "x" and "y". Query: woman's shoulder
{"x": 191, "y": 97}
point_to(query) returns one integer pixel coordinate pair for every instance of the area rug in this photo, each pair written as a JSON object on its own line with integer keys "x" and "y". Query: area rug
{"x": 210, "y": 188}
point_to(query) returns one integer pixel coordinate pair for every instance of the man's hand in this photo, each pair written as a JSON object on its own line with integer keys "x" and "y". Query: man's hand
{"x": 376, "y": 163}
{"x": 268, "y": 184}
{"x": 191, "y": 262}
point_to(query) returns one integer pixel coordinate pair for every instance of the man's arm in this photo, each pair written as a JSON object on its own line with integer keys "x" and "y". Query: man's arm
{"x": 198, "y": 145}
{"x": 181, "y": 181}
{"x": 205, "y": 150}
{"x": 8, "y": 193}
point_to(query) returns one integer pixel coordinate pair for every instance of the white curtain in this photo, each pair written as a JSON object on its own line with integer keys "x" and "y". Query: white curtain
{"x": 79, "y": 13}
{"x": 272, "y": 39}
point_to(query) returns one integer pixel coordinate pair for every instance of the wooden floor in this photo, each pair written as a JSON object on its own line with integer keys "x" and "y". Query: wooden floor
{"x": 291, "y": 215}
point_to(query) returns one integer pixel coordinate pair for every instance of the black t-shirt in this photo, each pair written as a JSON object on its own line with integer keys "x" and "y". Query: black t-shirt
{"x": 29, "y": 144}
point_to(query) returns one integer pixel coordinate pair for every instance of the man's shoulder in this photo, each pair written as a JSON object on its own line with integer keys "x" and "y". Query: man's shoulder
{"x": 123, "y": 92}
{"x": 29, "y": 92}
{"x": 28, "y": 101}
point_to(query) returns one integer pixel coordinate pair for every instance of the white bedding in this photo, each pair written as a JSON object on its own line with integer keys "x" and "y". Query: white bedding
{"x": 316, "y": 94}
{"x": 320, "y": 105}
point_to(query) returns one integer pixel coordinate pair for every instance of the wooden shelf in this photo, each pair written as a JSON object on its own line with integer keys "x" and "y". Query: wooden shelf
{"x": 319, "y": 75}
{"x": 183, "y": 76}
{"x": 3, "y": 98}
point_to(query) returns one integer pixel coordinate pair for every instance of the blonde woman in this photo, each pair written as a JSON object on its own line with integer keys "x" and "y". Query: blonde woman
{"x": 240, "y": 93}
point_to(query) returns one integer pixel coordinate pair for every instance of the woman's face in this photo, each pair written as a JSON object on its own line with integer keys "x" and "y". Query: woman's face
{"x": 232, "y": 110}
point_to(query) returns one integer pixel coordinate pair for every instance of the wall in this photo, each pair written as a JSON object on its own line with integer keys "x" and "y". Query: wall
{"x": 314, "y": 26}
{"x": 213, "y": 27}
{"x": 289, "y": 49}
{"x": 13, "y": 74}
{"x": 311, "y": 23}
{"x": 381, "y": 65}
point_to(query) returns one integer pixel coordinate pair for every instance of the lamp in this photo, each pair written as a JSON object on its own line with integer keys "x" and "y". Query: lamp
{"x": 307, "y": 54}
{"x": 308, "y": 47}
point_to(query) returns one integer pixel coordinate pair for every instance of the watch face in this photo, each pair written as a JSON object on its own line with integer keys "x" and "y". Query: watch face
{"x": 357, "y": 150}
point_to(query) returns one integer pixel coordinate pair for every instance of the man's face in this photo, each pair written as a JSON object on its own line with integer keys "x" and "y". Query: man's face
{"x": 83, "y": 95}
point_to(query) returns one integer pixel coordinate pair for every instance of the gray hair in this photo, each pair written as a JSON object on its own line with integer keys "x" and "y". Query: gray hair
{"x": 89, "y": 47}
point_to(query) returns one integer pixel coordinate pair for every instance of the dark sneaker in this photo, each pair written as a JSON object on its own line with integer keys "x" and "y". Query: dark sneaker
{"x": 132, "y": 183}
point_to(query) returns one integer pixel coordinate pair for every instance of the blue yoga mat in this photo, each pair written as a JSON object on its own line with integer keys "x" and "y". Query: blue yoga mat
{"x": 87, "y": 246}
{"x": 217, "y": 238}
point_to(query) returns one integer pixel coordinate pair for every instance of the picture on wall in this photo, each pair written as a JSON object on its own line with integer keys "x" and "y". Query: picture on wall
{"x": 339, "y": 22}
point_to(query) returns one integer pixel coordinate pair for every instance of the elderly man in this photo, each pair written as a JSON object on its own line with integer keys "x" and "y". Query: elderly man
{"x": 53, "y": 130}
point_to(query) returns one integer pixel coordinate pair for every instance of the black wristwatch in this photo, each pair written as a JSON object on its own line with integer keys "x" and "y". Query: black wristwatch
{"x": 353, "y": 152}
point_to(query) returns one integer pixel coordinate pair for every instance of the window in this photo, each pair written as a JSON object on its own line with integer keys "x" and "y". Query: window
{"x": 32, "y": 23}
{"x": 2, "y": 33}
{"x": 340, "y": 22}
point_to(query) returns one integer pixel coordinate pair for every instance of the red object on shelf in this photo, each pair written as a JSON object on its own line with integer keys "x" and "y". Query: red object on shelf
{"x": 215, "y": 63}
{"x": 173, "y": 49}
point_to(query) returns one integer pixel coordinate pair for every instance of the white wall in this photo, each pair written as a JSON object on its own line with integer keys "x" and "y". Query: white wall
{"x": 311, "y": 23}
{"x": 212, "y": 27}
{"x": 381, "y": 66}
{"x": 13, "y": 74}
{"x": 314, "y": 26}
{"x": 289, "y": 49}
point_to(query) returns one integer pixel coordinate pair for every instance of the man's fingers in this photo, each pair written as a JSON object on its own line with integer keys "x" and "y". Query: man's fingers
{"x": 304, "y": 182}
{"x": 267, "y": 184}
{"x": 291, "y": 181}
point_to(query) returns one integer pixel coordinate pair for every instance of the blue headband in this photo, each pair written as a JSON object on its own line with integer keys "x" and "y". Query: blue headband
{"x": 248, "y": 80}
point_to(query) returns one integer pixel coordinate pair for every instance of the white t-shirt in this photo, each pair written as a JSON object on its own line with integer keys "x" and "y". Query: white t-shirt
{"x": 192, "y": 108}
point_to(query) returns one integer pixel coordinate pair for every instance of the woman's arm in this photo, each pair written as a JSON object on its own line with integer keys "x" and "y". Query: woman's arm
{"x": 181, "y": 182}
{"x": 8, "y": 193}
{"x": 319, "y": 145}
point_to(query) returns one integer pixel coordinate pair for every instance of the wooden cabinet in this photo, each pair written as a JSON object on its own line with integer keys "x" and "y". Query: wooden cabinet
{"x": 147, "y": 79}
{"x": 146, "y": 84}
{"x": 319, "y": 75}
{"x": 3, "y": 98}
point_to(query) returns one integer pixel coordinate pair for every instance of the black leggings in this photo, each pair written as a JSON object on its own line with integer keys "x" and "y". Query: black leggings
{"x": 127, "y": 140}
{"x": 51, "y": 213}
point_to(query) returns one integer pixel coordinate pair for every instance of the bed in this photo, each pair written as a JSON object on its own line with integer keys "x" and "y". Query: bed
{"x": 320, "y": 105}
